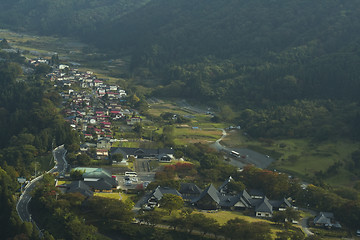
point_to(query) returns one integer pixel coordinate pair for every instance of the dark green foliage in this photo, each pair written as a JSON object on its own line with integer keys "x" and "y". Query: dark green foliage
{"x": 322, "y": 120}
{"x": 171, "y": 202}
{"x": 60, "y": 214}
{"x": 240, "y": 229}
{"x": 82, "y": 18}
{"x": 151, "y": 217}
{"x": 238, "y": 54}
{"x": 29, "y": 120}
{"x": 30, "y": 128}
{"x": 9, "y": 219}
{"x": 4, "y": 44}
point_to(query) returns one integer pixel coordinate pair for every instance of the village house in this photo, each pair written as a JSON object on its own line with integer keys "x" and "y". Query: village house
{"x": 157, "y": 194}
{"x": 133, "y": 121}
{"x": 326, "y": 220}
{"x": 98, "y": 179}
{"x": 142, "y": 152}
{"x": 101, "y": 153}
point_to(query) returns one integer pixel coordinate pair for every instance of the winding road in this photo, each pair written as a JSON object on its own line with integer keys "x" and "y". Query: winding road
{"x": 22, "y": 206}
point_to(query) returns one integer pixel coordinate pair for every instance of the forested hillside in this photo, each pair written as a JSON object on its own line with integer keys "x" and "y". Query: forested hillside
{"x": 247, "y": 50}
{"x": 77, "y": 18}
{"x": 234, "y": 50}
{"x": 30, "y": 127}
{"x": 293, "y": 63}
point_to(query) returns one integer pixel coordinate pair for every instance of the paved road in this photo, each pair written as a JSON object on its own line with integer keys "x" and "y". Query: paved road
{"x": 304, "y": 221}
{"x": 185, "y": 105}
{"x": 22, "y": 205}
{"x": 144, "y": 174}
{"x": 250, "y": 156}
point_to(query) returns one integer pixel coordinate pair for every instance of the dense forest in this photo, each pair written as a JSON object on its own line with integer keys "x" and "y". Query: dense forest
{"x": 280, "y": 63}
{"x": 80, "y": 18}
{"x": 30, "y": 127}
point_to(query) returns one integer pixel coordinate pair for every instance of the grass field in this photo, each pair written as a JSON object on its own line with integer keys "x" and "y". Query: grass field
{"x": 157, "y": 109}
{"x": 223, "y": 216}
{"x": 189, "y": 135}
{"x": 116, "y": 195}
{"x": 301, "y": 157}
{"x": 126, "y": 144}
{"x": 198, "y": 129}
{"x": 72, "y": 50}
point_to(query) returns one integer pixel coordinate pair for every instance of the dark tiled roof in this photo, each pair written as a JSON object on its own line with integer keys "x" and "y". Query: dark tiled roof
{"x": 225, "y": 183}
{"x": 256, "y": 192}
{"x": 322, "y": 219}
{"x": 280, "y": 203}
{"x": 189, "y": 188}
{"x": 231, "y": 200}
{"x": 212, "y": 192}
{"x": 245, "y": 198}
{"x": 141, "y": 151}
{"x": 228, "y": 200}
{"x": 80, "y": 187}
{"x": 160, "y": 191}
{"x": 101, "y": 184}
{"x": 264, "y": 206}
{"x": 328, "y": 214}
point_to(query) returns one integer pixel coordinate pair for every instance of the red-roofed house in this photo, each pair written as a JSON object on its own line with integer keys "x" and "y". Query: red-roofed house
{"x": 106, "y": 124}
{"x": 97, "y": 83}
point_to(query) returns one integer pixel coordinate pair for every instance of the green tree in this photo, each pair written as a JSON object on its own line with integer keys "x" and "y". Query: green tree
{"x": 151, "y": 217}
{"x": 4, "y": 44}
{"x": 138, "y": 128}
{"x": 171, "y": 202}
{"x": 168, "y": 136}
{"x": 117, "y": 157}
{"x": 76, "y": 174}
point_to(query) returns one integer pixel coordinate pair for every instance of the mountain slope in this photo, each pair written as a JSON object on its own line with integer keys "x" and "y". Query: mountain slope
{"x": 76, "y": 18}
{"x": 237, "y": 52}
{"x": 316, "y": 43}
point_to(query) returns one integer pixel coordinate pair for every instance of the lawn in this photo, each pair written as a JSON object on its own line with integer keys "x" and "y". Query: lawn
{"x": 157, "y": 109}
{"x": 190, "y": 135}
{"x": 114, "y": 195}
{"x": 223, "y": 216}
{"x": 126, "y": 144}
{"x": 198, "y": 129}
{"x": 63, "y": 182}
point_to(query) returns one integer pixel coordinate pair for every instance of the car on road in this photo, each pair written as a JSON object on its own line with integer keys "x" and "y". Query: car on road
{"x": 145, "y": 184}
{"x": 128, "y": 182}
